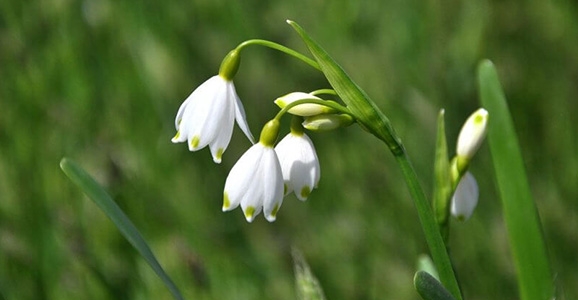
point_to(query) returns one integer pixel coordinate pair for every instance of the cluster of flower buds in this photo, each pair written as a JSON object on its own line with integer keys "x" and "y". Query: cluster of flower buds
{"x": 265, "y": 173}
{"x": 472, "y": 134}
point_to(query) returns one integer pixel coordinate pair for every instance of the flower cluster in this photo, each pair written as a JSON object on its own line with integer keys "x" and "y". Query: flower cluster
{"x": 266, "y": 173}
{"x": 269, "y": 171}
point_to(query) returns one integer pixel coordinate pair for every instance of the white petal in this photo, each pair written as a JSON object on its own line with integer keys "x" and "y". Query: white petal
{"x": 182, "y": 132}
{"x": 220, "y": 142}
{"x": 239, "y": 111}
{"x": 272, "y": 182}
{"x": 305, "y": 173}
{"x": 252, "y": 201}
{"x": 285, "y": 153}
{"x": 181, "y": 112}
{"x": 465, "y": 198}
{"x": 242, "y": 176}
{"x": 299, "y": 164}
{"x": 208, "y": 115}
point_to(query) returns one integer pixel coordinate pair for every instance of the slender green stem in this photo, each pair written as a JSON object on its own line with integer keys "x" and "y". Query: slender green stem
{"x": 370, "y": 117}
{"x": 281, "y": 48}
{"x": 426, "y": 217}
{"x": 324, "y": 92}
{"x": 332, "y": 104}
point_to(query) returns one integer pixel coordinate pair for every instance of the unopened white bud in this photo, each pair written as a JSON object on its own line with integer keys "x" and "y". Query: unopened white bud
{"x": 304, "y": 110}
{"x": 327, "y": 122}
{"x": 472, "y": 134}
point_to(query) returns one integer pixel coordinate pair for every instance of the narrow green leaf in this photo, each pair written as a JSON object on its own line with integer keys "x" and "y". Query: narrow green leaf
{"x": 101, "y": 198}
{"x": 520, "y": 213}
{"x": 308, "y": 287}
{"x": 429, "y": 288}
{"x": 442, "y": 181}
{"x": 371, "y": 118}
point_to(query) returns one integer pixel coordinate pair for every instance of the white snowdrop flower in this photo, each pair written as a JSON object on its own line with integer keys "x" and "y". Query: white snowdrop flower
{"x": 299, "y": 164}
{"x": 472, "y": 134}
{"x": 465, "y": 198}
{"x": 207, "y": 116}
{"x": 304, "y": 110}
{"x": 256, "y": 181}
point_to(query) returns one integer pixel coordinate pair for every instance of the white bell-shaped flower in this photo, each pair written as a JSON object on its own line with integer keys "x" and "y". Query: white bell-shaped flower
{"x": 299, "y": 163}
{"x": 465, "y": 198}
{"x": 207, "y": 116}
{"x": 256, "y": 181}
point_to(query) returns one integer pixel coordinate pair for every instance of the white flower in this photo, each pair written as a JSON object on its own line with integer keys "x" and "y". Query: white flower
{"x": 304, "y": 110}
{"x": 472, "y": 134}
{"x": 207, "y": 116}
{"x": 299, "y": 164}
{"x": 255, "y": 182}
{"x": 465, "y": 198}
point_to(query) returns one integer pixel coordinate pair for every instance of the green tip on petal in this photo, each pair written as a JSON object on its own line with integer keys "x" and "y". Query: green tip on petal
{"x": 177, "y": 135}
{"x": 274, "y": 212}
{"x": 249, "y": 212}
{"x": 226, "y": 201}
{"x": 305, "y": 191}
{"x": 479, "y": 119}
{"x": 195, "y": 142}
{"x": 219, "y": 155}
{"x": 285, "y": 189}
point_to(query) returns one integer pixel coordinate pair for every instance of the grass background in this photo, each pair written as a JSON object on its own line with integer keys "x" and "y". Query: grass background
{"x": 100, "y": 81}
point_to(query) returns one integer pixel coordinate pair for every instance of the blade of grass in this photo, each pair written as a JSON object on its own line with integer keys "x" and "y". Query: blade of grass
{"x": 101, "y": 198}
{"x": 308, "y": 287}
{"x": 520, "y": 213}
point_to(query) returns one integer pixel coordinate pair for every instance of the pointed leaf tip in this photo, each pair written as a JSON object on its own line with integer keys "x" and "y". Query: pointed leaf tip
{"x": 430, "y": 288}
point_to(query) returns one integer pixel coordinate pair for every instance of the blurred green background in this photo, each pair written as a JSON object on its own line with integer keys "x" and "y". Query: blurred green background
{"x": 100, "y": 81}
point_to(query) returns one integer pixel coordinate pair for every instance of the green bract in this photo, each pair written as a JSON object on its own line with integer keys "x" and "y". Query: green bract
{"x": 361, "y": 106}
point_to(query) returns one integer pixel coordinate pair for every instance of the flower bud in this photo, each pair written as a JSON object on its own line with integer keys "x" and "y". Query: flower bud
{"x": 465, "y": 198}
{"x": 472, "y": 134}
{"x": 304, "y": 110}
{"x": 327, "y": 122}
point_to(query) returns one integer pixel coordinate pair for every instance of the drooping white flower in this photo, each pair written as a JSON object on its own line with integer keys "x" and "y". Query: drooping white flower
{"x": 472, "y": 134}
{"x": 304, "y": 110}
{"x": 207, "y": 116}
{"x": 299, "y": 163}
{"x": 465, "y": 198}
{"x": 256, "y": 181}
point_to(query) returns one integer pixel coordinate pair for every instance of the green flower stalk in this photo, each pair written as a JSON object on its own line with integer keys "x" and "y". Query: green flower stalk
{"x": 368, "y": 115}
